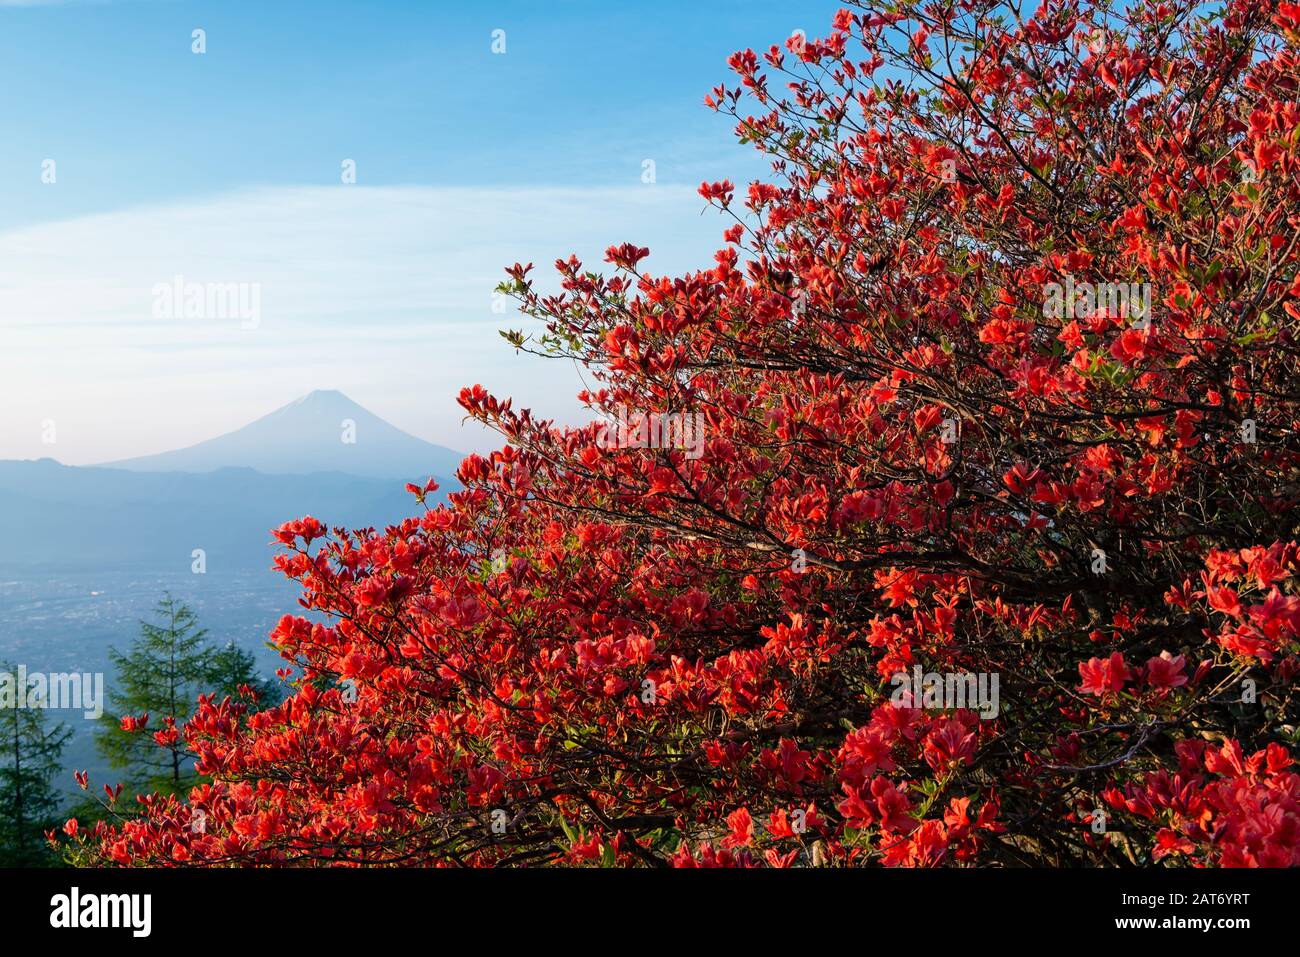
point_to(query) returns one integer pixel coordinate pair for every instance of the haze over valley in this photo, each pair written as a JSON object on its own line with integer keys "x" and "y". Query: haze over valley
{"x": 92, "y": 549}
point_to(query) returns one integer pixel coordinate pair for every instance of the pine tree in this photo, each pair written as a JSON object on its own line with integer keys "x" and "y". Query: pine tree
{"x": 168, "y": 666}
{"x": 232, "y": 668}
{"x": 30, "y": 758}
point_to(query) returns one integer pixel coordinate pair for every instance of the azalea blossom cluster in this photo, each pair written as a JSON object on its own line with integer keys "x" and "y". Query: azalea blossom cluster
{"x": 641, "y": 676}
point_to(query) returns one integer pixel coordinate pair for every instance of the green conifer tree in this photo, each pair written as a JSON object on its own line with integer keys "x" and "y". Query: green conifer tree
{"x": 231, "y": 668}
{"x": 31, "y": 753}
{"x": 168, "y": 666}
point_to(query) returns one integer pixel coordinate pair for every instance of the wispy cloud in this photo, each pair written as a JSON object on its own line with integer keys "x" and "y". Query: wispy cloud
{"x": 385, "y": 293}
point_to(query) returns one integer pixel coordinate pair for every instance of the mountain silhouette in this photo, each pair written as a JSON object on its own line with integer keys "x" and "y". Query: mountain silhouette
{"x": 324, "y": 431}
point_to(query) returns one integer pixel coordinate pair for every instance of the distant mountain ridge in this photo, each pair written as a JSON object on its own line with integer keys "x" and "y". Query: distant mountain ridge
{"x": 324, "y": 431}
{"x": 62, "y": 516}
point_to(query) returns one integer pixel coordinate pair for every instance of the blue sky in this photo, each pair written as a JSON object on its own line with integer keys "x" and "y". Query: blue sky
{"x": 225, "y": 167}
{"x": 411, "y": 90}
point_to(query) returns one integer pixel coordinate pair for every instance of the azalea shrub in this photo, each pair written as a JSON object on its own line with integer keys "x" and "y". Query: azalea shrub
{"x": 991, "y": 385}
